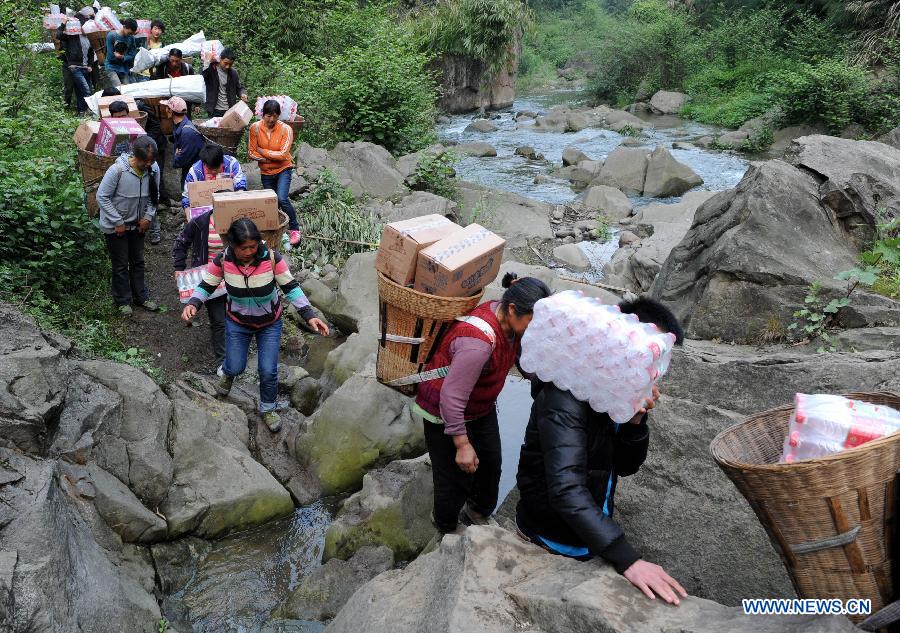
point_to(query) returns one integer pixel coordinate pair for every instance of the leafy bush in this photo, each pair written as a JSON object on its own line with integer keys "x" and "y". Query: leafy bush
{"x": 489, "y": 30}
{"x": 435, "y": 173}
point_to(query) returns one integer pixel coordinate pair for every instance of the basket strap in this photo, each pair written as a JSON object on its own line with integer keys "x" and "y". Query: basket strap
{"x": 410, "y": 340}
{"x": 425, "y": 376}
{"x": 882, "y": 618}
{"x": 827, "y": 543}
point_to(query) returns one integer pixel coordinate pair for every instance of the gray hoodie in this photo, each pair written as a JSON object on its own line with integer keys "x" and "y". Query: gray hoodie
{"x": 124, "y": 197}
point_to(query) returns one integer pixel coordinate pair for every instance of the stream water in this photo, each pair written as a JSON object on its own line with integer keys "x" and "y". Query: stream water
{"x": 237, "y": 583}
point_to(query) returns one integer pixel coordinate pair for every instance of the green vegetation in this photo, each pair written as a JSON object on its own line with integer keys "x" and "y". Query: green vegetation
{"x": 811, "y": 322}
{"x": 604, "y": 234}
{"x": 435, "y": 173}
{"x": 803, "y": 62}
{"x": 330, "y": 214}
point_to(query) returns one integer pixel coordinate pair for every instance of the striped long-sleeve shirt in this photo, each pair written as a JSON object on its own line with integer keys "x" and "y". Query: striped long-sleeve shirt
{"x": 252, "y": 299}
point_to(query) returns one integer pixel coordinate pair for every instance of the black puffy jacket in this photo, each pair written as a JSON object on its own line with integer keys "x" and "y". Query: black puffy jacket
{"x": 568, "y": 468}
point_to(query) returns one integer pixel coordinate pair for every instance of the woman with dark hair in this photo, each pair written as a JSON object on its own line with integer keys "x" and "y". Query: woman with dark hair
{"x": 128, "y": 196}
{"x": 253, "y": 272}
{"x": 270, "y": 145}
{"x": 459, "y": 410}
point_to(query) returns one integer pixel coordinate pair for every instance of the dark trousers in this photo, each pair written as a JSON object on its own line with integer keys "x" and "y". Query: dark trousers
{"x": 215, "y": 308}
{"x": 280, "y": 183}
{"x": 127, "y": 255}
{"x": 184, "y": 173}
{"x": 81, "y": 79}
{"x": 453, "y": 487}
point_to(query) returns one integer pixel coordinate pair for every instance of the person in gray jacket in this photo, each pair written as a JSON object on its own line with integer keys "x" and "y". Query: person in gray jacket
{"x": 128, "y": 196}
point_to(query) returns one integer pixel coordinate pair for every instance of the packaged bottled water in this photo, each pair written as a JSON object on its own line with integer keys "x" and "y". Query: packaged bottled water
{"x": 604, "y": 357}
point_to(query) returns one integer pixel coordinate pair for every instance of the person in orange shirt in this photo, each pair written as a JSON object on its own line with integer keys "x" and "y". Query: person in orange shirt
{"x": 270, "y": 146}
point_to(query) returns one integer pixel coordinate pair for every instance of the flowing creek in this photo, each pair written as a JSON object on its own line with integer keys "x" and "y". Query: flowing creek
{"x": 235, "y": 584}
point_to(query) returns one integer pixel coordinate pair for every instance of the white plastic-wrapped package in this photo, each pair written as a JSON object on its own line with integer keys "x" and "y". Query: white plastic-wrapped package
{"x": 211, "y": 51}
{"x": 89, "y": 27}
{"x": 73, "y": 26}
{"x": 143, "y": 28}
{"x": 213, "y": 122}
{"x": 823, "y": 424}
{"x": 191, "y": 88}
{"x": 603, "y": 357}
{"x": 107, "y": 20}
{"x": 288, "y": 107}
{"x": 146, "y": 58}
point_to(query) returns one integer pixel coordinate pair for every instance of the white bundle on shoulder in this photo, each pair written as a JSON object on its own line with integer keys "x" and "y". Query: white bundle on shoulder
{"x": 603, "y": 357}
{"x": 146, "y": 58}
{"x": 191, "y": 88}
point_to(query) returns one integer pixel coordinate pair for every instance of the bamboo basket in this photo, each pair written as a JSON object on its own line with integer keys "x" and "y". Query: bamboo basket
{"x": 829, "y": 518}
{"x": 296, "y": 125}
{"x": 273, "y": 237}
{"x": 141, "y": 118}
{"x": 163, "y": 114}
{"x": 98, "y": 42}
{"x": 406, "y": 313}
{"x": 228, "y": 139}
{"x": 93, "y": 167}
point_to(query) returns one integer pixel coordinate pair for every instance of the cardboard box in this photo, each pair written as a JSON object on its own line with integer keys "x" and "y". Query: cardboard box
{"x": 260, "y": 205}
{"x": 116, "y": 136}
{"x": 398, "y": 253}
{"x": 200, "y": 193}
{"x": 104, "y": 102}
{"x": 86, "y": 135}
{"x": 237, "y": 117}
{"x": 460, "y": 265}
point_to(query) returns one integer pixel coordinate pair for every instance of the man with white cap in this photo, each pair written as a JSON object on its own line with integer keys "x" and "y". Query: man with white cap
{"x": 186, "y": 137}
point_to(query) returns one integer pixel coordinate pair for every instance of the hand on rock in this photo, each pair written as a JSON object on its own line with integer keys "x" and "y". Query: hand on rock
{"x": 654, "y": 581}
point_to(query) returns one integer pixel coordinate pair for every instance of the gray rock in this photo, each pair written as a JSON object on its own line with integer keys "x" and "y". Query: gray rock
{"x": 323, "y": 592}
{"x": 869, "y": 338}
{"x": 569, "y": 239}
{"x": 892, "y": 138}
{"x": 370, "y": 168}
{"x": 305, "y": 395}
{"x": 576, "y": 121}
{"x": 585, "y": 173}
{"x": 733, "y": 140}
{"x": 218, "y": 487}
{"x": 683, "y": 145}
{"x": 541, "y": 179}
{"x": 420, "y": 203}
{"x": 312, "y": 159}
{"x": 856, "y": 180}
{"x": 488, "y": 580}
{"x": 350, "y": 357}
{"x": 664, "y": 102}
{"x": 361, "y": 425}
{"x": 122, "y": 511}
{"x": 625, "y": 169}
{"x": 571, "y": 256}
{"x": 667, "y": 177}
{"x": 605, "y": 200}
{"x": 551, "y": 123}
{"x": 514, "y": 217}
{"x": 477, "y": 149}
{"x": 627, "y": 237}
{"x": 481, "y": 125}
{"x": 705, "y": 142}
{"x": 356, "y": 297}
{"x": 621, "y": 118}
{"x": 407, "y": 164}
{"x": 627, "y": 127}
{"x": 739, "y": 266}
{"x": 783, "y": 138}
{"x": 392, "y": 509}
{"x": 527, "y": 151}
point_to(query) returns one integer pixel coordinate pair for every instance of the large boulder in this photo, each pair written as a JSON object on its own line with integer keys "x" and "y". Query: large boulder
{"x": 666, "y": 177}
{"x": 551, "y": 123}
{"x": 323, "y": 592}
{"x": 571, "y": 155}
{"x": 350, "y": 357}
{"x": 480, "y": 150}
{"x": 625, "y": 169}
{"x": 481, "y": 125}
{"x": 356, "y": 297}
{"x": 370, "y": 168}
{"x": 665, "y": 102}
{"x": 859, "y": 181}
{"x": 489, "y": 580}
{"x": 70, "y": 571}
{"x": 607, "y": 201}
{"x": 752, "y": 252}
{"x": 515, "y": 218}
{"x": 122, "y": 511}
{"x": 420, "y": 203}
{"x": 392, "y": 509}
{"x": 408, "y": 163}
{"x": 218, "y": 487}
{"x": 469, "y": 84}
{"x": 361, "y": 425}
{"x": 572, "y": 257}
{"x": 892, "y": 138}
{"x": 620, "y": 118}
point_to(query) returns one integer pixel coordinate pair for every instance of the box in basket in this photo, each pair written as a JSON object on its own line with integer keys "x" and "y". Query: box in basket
{"x": 86, "y": 135}
{"x": 200, "y": 193}
{"x": 401, "y": 242}
{"x": 116, "y": 136}
{"x": 261, "y": 206}
{"x": 288, "y": 107}
{"x": 103, "y": 104}
{"x": 460, "y": 265}
{"x": 237, "y": 117}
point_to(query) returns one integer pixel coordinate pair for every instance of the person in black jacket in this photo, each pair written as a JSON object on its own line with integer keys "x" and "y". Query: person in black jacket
{"x": 204, "y": 245}
{"x": 223, "y": 86}
{"x": 174, "y": 67}
{"x": 569, "y": 464}
{"x": 78, "y": 60}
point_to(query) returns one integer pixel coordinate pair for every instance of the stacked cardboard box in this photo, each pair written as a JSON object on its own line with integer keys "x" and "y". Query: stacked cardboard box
{"x": 401, "y": 242}
{"x": 115, "y": 136}
{"x": 200, "y": 195}
{"x": 261, "y": 206}
{"x": 461, "y": 264}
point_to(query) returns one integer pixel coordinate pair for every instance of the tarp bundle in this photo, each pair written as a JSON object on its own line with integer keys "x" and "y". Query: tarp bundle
{"x": 146, "y": 58}
{"x": 191, "y": 88}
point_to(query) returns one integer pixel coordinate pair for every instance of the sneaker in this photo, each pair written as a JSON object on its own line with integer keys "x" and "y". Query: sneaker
{"x": 294, "y": 236}
{"x": 220, "y": 371}
{"x": 125, "y": 310}
{"x": 223, "y": 386}
{"x": 156, "y": 239}
{"x": 149, "y": 305}
{"x": 469, "y": 516}
{"x": 272, "y": 420}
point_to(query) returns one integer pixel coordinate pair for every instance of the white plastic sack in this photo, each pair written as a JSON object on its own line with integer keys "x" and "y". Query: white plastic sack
{"x": 191, "y": 88}
{"x": 603, "y": 357}
{"x": 89, "y": 27}
{"x": 41, "y": 47}
{"x": 107, "y": 20}
{"x": 211, "y": 51}
{"x": 213, "y": 122}
{"x": 146, "y": 58}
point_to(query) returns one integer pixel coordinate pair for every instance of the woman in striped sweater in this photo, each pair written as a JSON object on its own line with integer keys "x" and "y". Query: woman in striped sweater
{"x": 252, "y": 273}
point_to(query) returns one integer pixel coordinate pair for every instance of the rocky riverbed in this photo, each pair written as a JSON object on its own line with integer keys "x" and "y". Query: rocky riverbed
{"x": 128, "y": 502}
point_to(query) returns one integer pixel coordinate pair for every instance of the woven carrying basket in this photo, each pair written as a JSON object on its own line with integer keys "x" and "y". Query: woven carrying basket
{"x": 296, "y": 125}
{"x": 273, "y": 237}
{"x": 141, "y": 118}
{"x": 829, "y": 518}
{"x": 98, "y": 42}
{"x": 93, "y": 167}
{"x": 405, "y": 312}
{"x": 163, "y": 114}
{"x": 228, "y": 139}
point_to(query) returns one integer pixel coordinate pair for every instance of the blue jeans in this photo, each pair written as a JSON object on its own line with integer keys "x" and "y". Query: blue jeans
{"x": 82, "y": 83}
{"x": 268, "y": 342}
{"x": 281, "y": 184}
